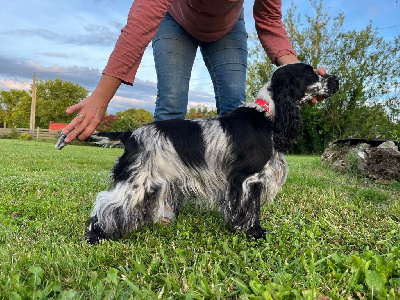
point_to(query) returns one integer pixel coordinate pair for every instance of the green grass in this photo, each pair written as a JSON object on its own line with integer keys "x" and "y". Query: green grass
{"x": 330, "y": 235}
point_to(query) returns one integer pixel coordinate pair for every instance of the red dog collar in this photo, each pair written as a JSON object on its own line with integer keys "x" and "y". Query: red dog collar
{"x": 264, "y": 104}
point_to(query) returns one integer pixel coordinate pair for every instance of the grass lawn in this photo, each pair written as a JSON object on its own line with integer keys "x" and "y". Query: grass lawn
{"x": 331, "y": 236}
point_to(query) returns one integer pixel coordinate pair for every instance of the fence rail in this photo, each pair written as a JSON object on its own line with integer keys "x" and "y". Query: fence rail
{"x": 37, "y": 133}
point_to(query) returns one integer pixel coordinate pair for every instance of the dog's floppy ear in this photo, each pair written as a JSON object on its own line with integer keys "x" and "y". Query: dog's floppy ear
{"x": 287, "y": 124}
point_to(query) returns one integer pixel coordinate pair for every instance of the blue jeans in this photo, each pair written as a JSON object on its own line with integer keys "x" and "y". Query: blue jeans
{"x": 174, "y": 52}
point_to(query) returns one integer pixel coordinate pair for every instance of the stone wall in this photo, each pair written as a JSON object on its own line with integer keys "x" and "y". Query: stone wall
{"x": 374, "y": 158}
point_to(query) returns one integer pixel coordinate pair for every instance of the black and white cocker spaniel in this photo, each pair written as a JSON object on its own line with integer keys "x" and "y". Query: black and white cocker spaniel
{"x": 234, "y": 163}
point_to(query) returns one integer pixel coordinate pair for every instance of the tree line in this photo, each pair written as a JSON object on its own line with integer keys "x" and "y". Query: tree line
{"x": 367, "y": 104}
{"x": 52, "y": 99}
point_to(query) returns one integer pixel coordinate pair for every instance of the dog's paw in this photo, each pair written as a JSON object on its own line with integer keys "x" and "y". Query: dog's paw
{"x": 257, "y": 232}
{"x": 94, "y": 233}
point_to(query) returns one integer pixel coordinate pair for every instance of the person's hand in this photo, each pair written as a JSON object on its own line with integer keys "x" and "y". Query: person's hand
{"x": 321, "y": 71}
{"x": 91, "y": 109}
{"x": 90, "y": 113}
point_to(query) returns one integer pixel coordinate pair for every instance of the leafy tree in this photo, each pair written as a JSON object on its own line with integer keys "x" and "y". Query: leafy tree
{"x": 15, "y": 108}
{"x": 140, "y": 116}
{"x": 52, "y": 99}
{"x": 369, "y": 68}
{"x": 114, "y": 123}
{"x": 124, "y": 124}
{"x": 368, "y": 75}
{"x": 259, "y": 69}
{"x": 126, "y": 120}
{"x": 106, "y": 122}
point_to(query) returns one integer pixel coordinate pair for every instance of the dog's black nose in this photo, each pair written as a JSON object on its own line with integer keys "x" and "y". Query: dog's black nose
{"x": 333, "y": 84}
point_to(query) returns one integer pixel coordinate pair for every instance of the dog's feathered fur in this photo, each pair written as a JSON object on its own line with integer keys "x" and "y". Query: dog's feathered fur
{"x": 233, "y": 163}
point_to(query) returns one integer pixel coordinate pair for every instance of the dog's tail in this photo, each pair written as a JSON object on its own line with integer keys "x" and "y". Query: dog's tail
{"x": 105, "y": 139}
{"x": 109, "y": 139}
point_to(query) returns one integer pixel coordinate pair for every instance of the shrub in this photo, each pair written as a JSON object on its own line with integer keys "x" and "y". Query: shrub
{"x": 25, "y": 136}
{"x": 14, "y": 134}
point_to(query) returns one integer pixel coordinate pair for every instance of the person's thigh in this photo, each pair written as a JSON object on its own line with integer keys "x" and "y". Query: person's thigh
{"x": 226, "y": 60}
{"x": 174, "y": 52}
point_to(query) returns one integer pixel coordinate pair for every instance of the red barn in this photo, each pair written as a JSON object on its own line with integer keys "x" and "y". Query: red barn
{"x": 56, "y": 126}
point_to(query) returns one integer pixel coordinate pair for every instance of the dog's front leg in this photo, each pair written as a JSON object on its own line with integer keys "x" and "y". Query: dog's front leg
{"x": 243, "y": 208}
{"x": 124, "y": 209}
{"x": 106, "y": 220}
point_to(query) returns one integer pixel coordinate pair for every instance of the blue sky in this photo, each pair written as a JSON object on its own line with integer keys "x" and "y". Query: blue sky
{"x": 73, "y": 39}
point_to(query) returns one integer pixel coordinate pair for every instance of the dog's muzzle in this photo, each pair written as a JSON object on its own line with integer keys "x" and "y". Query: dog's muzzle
{"x": 332, "y": 84}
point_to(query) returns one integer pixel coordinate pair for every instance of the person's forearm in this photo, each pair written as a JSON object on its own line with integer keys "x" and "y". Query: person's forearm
{"x": 107, "y": 87}
{"x": 286, "y": 59}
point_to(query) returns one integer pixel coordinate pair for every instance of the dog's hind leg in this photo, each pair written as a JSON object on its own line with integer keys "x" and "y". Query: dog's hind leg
{"x": 242, "y": 209}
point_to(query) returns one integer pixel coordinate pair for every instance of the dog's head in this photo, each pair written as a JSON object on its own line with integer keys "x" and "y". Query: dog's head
{"x": 290, "y": 87}
{"x": 303, "y": 83}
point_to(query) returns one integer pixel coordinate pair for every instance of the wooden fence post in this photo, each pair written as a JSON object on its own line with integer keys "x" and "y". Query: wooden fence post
{"x": 37, "y": 133}
{"x": 33, "y": 105}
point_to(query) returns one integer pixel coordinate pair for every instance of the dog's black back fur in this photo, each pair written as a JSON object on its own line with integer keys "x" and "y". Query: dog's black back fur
{"x": 186, "y": 136}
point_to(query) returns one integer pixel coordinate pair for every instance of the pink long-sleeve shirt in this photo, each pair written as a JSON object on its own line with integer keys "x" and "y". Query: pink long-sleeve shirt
{"x": 206, "y": 20}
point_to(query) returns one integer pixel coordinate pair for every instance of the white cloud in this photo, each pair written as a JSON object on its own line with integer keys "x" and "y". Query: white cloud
{"x": 7, "y": 84}
{"x": 120, "y": 103}
{"x": 55, "y": 54}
